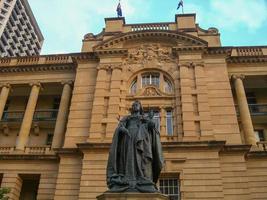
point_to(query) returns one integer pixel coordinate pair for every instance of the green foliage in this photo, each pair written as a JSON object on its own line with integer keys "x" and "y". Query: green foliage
{"x": 3, "y": 192}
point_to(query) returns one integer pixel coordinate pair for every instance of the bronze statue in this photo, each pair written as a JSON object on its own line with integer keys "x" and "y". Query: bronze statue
{"x": 135, "y": 157}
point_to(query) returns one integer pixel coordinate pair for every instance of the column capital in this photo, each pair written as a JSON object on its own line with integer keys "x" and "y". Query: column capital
{"x": 6, "y": 85}
{"x": 237, "y": 76}
{"x": 109, "y": 66}
{"x": 67, "y": 82}
{"x": 38, "y": 84}
{"x": 186, "y": 64}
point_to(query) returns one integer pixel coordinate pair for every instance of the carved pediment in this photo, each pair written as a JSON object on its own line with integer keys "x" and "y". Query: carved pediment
{"x": 171, "y": 37}
{"x": 152, "y": 91}
{"x": 150, "y": 52}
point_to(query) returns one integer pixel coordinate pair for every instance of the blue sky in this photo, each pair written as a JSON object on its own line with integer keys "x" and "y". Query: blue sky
{"x": 65, "y": 22}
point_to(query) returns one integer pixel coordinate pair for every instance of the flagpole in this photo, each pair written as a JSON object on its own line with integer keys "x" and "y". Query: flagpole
{"x": 183, "y": 7}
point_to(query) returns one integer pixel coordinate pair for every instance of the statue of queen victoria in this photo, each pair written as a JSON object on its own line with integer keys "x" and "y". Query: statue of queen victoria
{"x": 135, "y": 157}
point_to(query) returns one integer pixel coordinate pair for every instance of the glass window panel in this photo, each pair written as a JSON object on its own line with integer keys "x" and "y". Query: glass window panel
{"x": 150, "y": 79}
{"x": 167, "y": 86}
{"x": 169, "y": 123}
{"x": 134, "y": 87}
{"x": 170, "y": 187}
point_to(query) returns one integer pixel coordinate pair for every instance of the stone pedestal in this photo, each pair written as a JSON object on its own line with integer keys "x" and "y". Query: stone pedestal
{"x": 132, "y": 196}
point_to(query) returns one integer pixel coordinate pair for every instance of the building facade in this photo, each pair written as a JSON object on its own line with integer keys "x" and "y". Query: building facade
{"x": 59, "y": 112}
{"x": 19, "y": 32}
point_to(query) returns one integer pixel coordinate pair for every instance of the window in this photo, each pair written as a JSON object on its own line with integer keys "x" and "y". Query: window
{"x": 169, "y": 122}
{"x": 133, "y": 87}
{"x": 56, "y": 104}
{"x": 167, "y": 86}
{"x": 156, "y": 79}
{"x": 260, "y": 135}
{"x": 150, "y": 79}
{"x": 29, "y": 188}
{"x": 49, "y": 139}
{"x": 5, "y": 113}
{"x": 252, "y": 102}
{"x": 170, "y": 187}
{"x": 1, "y": 177}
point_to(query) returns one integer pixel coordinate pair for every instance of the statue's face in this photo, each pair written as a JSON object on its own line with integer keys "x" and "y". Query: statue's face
{"x": 136, "y": 107}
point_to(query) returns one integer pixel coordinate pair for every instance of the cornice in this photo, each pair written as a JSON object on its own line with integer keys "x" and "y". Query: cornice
{"x": 85, "y": 56}
{"x": 165, "y": 145}
{"x": 236, "y": 148}
{"x": 247, "y": 59}
{"x": 218, "y": 51}
{"x": 256, "y": 155}
{"x": 28, "y": 157}
{"x": 188, "y": 48}
{"x": 194, "y": 145}
{"x": 111, "y": 52}
{"x": 151, "y": 33}
{"x": 67, "y": 151}
{"x": 37, "y": 68}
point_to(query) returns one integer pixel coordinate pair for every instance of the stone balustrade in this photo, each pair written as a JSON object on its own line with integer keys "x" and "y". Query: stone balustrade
{"x": 7, "y": 150}
{"x": 45, "y": 59}
{"x": 248, "y": 51}
{"x": 145, "y": 27}
{"x": 262, "y": 145}
{"x": 34, "y": 150}
{"x": 38, "y": 150}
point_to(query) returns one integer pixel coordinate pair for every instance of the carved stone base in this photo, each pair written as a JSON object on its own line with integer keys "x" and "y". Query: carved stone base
{"x": 132, "y": 196}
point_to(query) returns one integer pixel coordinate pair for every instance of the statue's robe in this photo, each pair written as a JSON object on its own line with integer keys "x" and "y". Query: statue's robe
{"x": 135, "y": 159}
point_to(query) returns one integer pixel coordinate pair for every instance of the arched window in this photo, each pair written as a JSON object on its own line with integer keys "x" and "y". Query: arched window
{"x": 133, "y": 87}
{"x": 150, "y": 79}
{"x": 156, "y": 79}
{"x": 167, "y": 86}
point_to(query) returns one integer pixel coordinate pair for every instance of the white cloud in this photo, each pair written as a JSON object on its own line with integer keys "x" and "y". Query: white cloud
{"x": 231, "y": 14}
{"x": 67, "y": 21}
{"x": 251, "y": 13}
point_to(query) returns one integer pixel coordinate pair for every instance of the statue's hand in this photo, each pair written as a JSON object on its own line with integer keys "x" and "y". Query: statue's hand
{"x": 123, "y": 130}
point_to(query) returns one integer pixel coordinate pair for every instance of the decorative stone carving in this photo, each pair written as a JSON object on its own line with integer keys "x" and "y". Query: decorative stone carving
{"x": 109, "y": 67}
{"x": 150, "y": 52}
{"x": 213, "y": 30}
{"x": 151, "y": 92}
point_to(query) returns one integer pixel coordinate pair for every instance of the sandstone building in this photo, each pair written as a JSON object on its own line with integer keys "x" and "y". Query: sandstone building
{"x": 19, "y": 32}
{"x": 59, "y": 112}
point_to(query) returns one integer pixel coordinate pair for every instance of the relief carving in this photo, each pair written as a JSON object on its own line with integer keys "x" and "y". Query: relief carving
{"x": 151, "y": 92}
{"x": 150, "y": 52}
{"x": 109, "y": 67}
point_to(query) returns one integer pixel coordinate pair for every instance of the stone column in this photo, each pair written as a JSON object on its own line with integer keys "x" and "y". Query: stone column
{"x": 114, "y": 101}
{"x": 14, "y": 183}
{"x": 100, "y": 104}
{"x": 28, "y": 117}
{"x": 244, "y": 110}
{"x": 62, "y": 115}
{"x": 3, "y": 98}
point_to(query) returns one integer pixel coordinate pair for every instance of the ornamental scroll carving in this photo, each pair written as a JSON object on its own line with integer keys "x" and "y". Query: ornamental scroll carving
{"x": 150, "y": 52}
{"x": 110, "y": 67}
{"x": 151, "y": 92}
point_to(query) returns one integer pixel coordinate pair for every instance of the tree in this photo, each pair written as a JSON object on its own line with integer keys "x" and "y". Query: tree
{"x": 3, "y": 193}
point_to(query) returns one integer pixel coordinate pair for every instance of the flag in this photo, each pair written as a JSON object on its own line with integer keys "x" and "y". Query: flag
{"x": 119, "y": 10}
{"x": 181, "y": 3}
